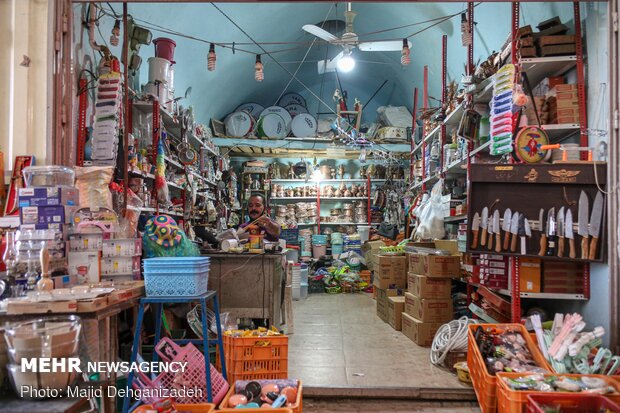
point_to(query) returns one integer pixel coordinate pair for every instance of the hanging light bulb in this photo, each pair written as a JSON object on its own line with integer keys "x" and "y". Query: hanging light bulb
{"x": 211, "y": 58}
{"x": 258, "y": 67}
{"x": 116, "y": 31}
{"x": 405, "y": 57}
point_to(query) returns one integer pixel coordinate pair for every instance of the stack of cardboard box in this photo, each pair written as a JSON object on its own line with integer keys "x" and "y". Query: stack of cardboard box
{"x": 563, "y": 278}
{"x": 390, "y": 279}
{"x": 370, "y": 250}
{"x": 428, "y": 302}
{"x": 563, "y": 104}
{"x": 494, "y": 271}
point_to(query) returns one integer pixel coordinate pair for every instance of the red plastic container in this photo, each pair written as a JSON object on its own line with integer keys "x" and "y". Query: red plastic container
{"x": 571, "y": 403}
{"x": 164, "y": 48}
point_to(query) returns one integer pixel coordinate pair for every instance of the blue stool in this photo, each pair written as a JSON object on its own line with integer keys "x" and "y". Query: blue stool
{"x": 157, "y": 303}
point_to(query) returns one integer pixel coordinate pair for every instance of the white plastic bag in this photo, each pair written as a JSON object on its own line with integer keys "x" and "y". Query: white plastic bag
{"x": 430, "y": 216}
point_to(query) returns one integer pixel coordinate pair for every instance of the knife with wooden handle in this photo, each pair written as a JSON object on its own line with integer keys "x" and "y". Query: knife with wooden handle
{"x": 543, "y": 234}
{"x": 582, "y": 229}
{"x": 506, "y": 228}
{"x": 568, "y": 233}
{"x": 497, "y": 232}
{"x": 484, "y": 222}
{"x": 595, "y": 224}
{"x": 475, "y": 227}
{"x": 514, "y": 230}
{"x": 560, "y": 232}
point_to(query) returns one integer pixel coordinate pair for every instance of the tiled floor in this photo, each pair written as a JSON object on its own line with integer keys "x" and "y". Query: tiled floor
{"x": 339, "y": 341}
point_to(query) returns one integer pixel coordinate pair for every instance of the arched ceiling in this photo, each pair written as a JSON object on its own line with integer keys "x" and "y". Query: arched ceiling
{"x": 215, "y": 94}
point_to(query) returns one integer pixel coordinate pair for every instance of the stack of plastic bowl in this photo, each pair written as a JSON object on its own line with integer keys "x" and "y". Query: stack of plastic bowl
{"x": 296, "y": 281}
{"x": 57, "y": 338}
{"x": 337, "y": 244}
{"x": 303, "y": 291}
{"x": 353, "y": 243}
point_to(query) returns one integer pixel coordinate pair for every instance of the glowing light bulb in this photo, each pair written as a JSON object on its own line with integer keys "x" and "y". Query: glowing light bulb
{"x": 211, "y": 58}
{"x": 346, "y": 64}
{"x": 405, "y": 57}
{"x": 259, "y": 76}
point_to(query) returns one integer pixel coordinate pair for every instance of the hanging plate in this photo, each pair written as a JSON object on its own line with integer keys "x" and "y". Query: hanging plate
{"x": 528, "y": 143}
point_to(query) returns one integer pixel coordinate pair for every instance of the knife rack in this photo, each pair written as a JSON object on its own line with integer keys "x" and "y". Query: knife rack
{"x": 527, "y": 189}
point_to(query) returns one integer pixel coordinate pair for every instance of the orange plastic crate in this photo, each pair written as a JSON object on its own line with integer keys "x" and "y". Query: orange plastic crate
{"x": 295, "y": 408}
{"x": 485, "y": 384}
{"x": 253, "y": 358}
{"x": 192, "y": 408}
{"x": 571, "y": 403}
{"x": 259, "y": 410}
{"x": 515, "y": 401}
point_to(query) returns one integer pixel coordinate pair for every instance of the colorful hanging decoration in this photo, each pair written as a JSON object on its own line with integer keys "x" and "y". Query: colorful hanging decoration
{"x": 160, "y": 173}
{"x": 258, "y": 70}
{"x": 405, "y": 57}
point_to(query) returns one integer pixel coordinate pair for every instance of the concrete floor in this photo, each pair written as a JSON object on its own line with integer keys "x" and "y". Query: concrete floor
{"x": 339, "y": 345}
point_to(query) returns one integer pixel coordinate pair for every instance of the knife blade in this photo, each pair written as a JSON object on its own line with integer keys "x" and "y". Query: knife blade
{"x": 528, "y": 234}
{"x": 522, "y": 232}
{"x": 560, "y": 232}
{"x": 484, "y": 221}
{"x": 490, "y": 232}
{"x": 506, "y": 228}
{"x": 551, "y": 233}
{"x": 497, "y": 232}
{"x": 568, "y": 233}
{"x": 543, "y": 234}
{"x": 475, "y": 227}
{"x": 514, "y": 230}
{"x": 582, "y": 229}
{"x": 595, "y": 224}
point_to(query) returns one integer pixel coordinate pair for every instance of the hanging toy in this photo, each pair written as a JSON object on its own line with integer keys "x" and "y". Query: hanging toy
{"x": 161, "y": 186}
{"x": 519, "y": 97}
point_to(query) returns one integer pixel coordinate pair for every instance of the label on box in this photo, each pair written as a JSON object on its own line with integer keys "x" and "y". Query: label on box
{"x": 85, "y": 265}
{"x": 428, "y": 310}
{"x": 45, "y": 215}
{"x": 86, "y": 242}
{"x": 428, "y": 287}
{"x": 48, "y": 196}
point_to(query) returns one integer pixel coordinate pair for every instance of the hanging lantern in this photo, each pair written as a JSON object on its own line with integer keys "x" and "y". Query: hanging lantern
{"x": 258, "y": 67}
{"x": 405, "y": 57}
{"x": 211, "y": 58}
{"x": 116, "y": 31}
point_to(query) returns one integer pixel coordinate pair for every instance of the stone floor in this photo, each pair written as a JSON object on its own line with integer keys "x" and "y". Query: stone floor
{"x": 339, "y": 342}
{"x": 385, "y": 406}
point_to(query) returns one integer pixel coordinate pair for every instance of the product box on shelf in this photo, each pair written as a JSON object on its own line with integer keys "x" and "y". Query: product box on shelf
{"x": 48, "y": 196}
{"x": 429, "y": 310}
{"x": 85, "y": 265}
{"x": 390, "y": 271}
{"x": 396, "y": 306}
{"x": 441, "y": 266}
{"x": 420, "y": 333}
{"x": 65, "y": 281}
{"x": 382, "y": 301}
{"x": 530, "y": 274}
{"x": 120, "y": 265}
{"x": 122, "y": 247}
{"x": 495, "y": 300}
{"x": 44, "y": 215}
{"x": 428, "y": 287}
{"x": 85, "y": 242}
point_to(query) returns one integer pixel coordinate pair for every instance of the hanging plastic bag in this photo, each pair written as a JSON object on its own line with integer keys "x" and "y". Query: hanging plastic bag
{"x": 430, "y": 216}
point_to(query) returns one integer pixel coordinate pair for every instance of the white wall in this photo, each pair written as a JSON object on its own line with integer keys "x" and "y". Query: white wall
{"x": 23, "y": 90}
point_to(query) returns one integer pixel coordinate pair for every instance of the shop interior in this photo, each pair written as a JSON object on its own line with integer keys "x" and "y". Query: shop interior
{"x": 405, "y": 201}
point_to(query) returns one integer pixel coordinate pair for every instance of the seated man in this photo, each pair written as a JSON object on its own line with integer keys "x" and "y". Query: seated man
{"x": 257, "y": 212}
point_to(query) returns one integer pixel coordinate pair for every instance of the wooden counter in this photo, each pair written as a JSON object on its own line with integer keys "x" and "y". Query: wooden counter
{"x": 249, "y": 285}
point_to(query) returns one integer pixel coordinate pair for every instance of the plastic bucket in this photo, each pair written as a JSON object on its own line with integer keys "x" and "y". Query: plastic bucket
{"x": 159, "y": 70}
{"x": 337, "y": 249}
{"x": 319, "y": 250}
{"x": 292, "y": 254}
{"x": 364, "y": 231}
{"x": 164, "y": 48}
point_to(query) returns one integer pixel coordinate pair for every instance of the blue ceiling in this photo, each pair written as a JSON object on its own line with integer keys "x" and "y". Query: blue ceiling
{"x": 215, "y": 94}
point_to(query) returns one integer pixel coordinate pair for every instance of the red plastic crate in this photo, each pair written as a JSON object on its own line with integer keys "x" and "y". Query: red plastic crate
{"x": 571, "y": 403}
{"x": 485, "y": 384}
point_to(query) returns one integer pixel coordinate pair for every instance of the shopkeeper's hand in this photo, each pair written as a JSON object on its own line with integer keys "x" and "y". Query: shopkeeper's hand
{"x": 263, "y": 221}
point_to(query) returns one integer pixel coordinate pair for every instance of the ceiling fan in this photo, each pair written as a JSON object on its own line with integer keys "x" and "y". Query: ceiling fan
{"x": 349, "y": 41}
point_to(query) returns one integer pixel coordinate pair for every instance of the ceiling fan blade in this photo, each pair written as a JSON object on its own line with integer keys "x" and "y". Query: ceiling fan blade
{"x": 318, "y": 32}
{"x": 326, "y": 66}
{"x": 382, "y": 46}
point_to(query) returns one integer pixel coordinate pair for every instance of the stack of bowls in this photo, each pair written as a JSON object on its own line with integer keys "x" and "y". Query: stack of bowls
{"x": 56, "y": 337}
{"x": 337, "y": 244}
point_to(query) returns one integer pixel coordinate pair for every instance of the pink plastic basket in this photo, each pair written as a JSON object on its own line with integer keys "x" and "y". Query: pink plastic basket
{"x": 164, "y": 48}
{"x": 193, "y": 376}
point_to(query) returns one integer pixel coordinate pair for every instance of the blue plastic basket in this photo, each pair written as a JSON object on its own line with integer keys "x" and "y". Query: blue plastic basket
{"x": 176, "y": 277}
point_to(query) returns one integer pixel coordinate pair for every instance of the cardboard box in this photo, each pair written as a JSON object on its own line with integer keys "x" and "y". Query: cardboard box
{"x": 420, "y": 333}
{"x": 558, "y": 39}
{"x": 428, "y": 287}
{"x": 48, "y": 196}
{"x": 390, "y": 271}
{"x": 95, "y": 304}
{"x": 33, "y": 307}
{"x": 120, "y": 265}
{"x": 428, "y": 310}
{"x": 382, "y": 301}
{"x": 530, "y": 275}
{"x": 370, "y": 249}
{"x": 501, "y": 304}
{"x": 396, "y": 306}
{"x": 447, "y": 245}
{"x": 122, "y": 247}
{"x": 85, "y": 265}
{"x": 45, "y": 215}
{"x": 64, "y": 281}
{"x": 441, "y": 266}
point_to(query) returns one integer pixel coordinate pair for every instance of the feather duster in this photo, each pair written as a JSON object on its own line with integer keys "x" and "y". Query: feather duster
{"x": 160, "y": 175}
